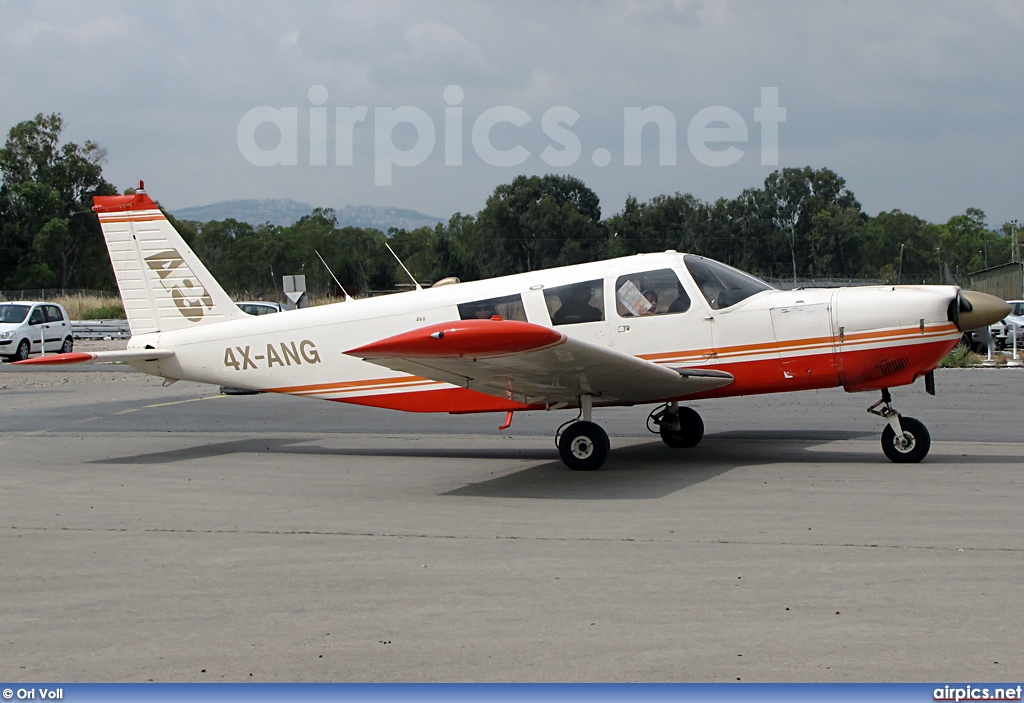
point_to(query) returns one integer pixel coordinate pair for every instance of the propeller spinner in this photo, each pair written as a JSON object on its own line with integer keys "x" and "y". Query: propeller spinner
{"x": 971, "y": 310}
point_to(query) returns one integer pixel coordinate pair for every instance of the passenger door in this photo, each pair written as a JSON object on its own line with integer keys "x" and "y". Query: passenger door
{"x": 655, "y": 317}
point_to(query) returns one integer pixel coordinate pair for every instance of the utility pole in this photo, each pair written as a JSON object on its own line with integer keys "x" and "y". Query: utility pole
{"x": 899, "y": 273}
{"x": 1014, "y": 243}
{"x": 938, "y": 255}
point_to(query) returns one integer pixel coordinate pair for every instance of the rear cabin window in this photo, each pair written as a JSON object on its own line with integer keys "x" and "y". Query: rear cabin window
{"x": 53, "y": 314}
{"x": 576, "y": 303}
{"x": 509, "y": 307}
{"x": 650, "y": 293}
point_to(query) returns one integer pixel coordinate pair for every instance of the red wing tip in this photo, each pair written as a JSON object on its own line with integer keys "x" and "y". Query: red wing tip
{"x": 462, "y": 338}
{"x": 57, "y": 359}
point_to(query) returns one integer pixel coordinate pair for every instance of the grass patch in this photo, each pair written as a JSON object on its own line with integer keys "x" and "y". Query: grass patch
{"x": 92, "y": 307}
{"x": 105, "y": 312}
{"x": 959, "y": 358}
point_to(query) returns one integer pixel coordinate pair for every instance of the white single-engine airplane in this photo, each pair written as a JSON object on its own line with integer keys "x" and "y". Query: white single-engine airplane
{"x": 652, "y": 328}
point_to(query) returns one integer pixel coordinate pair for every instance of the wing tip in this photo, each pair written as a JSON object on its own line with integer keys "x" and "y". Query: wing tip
{"x": 482, "y": 338}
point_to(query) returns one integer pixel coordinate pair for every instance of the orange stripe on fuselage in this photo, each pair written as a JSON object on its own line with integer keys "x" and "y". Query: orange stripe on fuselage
{"x": 372, "y": 383}
{"x": 856, "y": 338}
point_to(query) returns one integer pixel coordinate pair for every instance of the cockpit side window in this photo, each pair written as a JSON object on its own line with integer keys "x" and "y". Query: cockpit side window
{"x": 722, "y": 286}
{"x": 509, "y": 307}
{"x": 650, "y": 293}
{"x": 575, "y": 303}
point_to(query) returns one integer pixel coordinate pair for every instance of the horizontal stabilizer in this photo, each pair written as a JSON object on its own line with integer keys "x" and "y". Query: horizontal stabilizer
{"x": 102, "y": 357}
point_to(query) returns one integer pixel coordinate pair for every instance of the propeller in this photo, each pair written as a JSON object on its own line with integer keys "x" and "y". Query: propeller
{"x": 971, "y": 310}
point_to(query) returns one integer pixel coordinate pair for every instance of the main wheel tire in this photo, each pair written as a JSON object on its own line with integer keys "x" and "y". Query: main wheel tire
{"x": 584, "y": 446}
{"x": 68, "y": 346}
{"x": 690, "y": 432}
{"x": 916, "y": 438}
{"x": 23, "y": 351}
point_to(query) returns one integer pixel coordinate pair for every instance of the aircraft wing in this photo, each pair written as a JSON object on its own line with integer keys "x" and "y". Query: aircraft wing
{"x": 532, "y": 364}
{"x": 101, "y": 357}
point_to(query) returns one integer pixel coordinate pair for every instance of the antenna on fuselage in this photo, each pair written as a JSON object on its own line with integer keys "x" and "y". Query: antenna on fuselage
{"x": 415, "y": 282}
{"x": 347, "y": 296}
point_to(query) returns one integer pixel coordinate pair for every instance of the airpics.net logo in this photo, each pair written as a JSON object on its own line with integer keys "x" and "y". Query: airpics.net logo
{"x": 715, "y": 136}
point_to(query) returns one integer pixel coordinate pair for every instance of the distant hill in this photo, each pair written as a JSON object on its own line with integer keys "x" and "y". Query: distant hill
{"x": 255, "y": 212}
{"x": 287, "y": 212}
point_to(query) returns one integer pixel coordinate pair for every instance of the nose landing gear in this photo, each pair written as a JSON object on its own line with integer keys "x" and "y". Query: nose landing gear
{"x": 905, "y": 440}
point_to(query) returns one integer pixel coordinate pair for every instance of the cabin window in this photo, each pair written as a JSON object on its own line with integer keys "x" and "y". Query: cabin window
{"x": 509, "y": 307}
{"x": 650, "y": 293}
{"x": 722, "y": 286}
{"x": 576, "y": 303}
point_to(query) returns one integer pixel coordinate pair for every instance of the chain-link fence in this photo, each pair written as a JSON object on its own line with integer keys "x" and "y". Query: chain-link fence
{"x": 50, "y": 293}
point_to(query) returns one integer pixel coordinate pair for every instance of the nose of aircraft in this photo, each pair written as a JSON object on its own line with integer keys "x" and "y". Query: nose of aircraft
{"x": 972, "y": 310}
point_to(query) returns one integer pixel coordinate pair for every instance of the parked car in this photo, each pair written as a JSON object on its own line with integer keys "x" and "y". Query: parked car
{"x": 252, "y": 307}
{"x": 259, "y": 307}
{"x": 28, "y": 327}
{"x": 1016, "y": 317}
{"x": 997, "y": 332}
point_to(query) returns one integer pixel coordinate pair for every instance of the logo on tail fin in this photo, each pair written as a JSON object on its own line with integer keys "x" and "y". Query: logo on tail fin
{"x": 189, "y": 296}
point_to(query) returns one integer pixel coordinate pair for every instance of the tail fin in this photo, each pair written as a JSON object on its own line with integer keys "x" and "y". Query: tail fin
{"x": 164, "y": 286}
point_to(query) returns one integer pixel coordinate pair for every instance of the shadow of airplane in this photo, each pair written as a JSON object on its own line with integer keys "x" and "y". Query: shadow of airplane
{"x": 643, "y": 470}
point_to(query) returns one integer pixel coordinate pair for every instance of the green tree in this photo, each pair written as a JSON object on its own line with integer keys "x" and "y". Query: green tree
{"x": 794, "y": 196}
{"x": 536, "y": 222}
{"x": 47, "y": 228}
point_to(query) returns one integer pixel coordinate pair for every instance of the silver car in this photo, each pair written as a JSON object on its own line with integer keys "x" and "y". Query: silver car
{"x": 31, "y": 327}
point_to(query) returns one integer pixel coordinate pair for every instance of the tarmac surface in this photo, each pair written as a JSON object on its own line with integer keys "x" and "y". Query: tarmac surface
{"x": 173, "y": 534}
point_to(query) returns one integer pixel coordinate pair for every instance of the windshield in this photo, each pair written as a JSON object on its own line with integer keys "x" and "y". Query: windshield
{"x": 13, "y": 314}
{"x": 722, "y": 285}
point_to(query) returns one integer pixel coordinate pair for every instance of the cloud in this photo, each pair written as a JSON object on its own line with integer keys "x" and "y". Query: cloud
{"x": 871, "y": 90}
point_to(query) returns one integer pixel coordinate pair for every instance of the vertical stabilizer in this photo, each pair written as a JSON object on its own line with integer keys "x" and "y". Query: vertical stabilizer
{"x": 164, "y": 286}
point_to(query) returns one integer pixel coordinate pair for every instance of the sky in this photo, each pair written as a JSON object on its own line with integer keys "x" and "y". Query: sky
{"x": 431, "y": 105}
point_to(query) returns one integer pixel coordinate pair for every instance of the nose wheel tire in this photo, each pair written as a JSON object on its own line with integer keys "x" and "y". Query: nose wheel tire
{"x": 912, "y": 447}
{"x": 584, "y": 446}
{"x": 690, "y": 432}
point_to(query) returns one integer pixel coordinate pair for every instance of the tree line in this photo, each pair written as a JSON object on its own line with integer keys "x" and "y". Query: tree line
{"x": 804, "y": 223}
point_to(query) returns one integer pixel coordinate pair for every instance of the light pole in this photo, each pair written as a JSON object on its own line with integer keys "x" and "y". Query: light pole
{"x": 899, "y": 273}
{"x": 938, "y": 255}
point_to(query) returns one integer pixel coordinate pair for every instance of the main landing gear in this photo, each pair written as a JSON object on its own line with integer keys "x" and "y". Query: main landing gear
{"x": 678, "y": 427}
{"x": 905, "y": 440}
{"x": 583, "y": 444}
